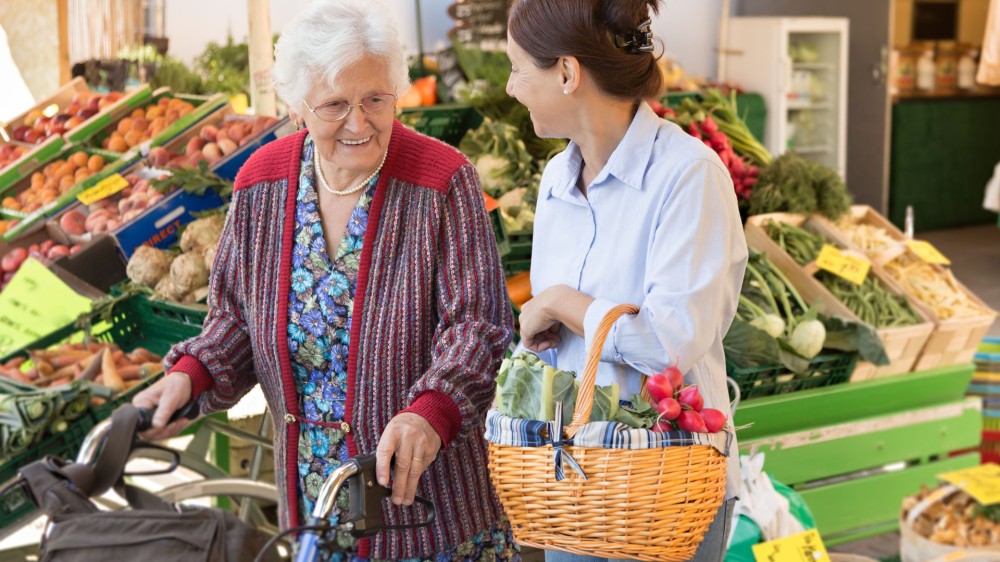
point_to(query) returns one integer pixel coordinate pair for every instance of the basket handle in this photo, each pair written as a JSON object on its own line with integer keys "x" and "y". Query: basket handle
{"x": 585, "y": 396}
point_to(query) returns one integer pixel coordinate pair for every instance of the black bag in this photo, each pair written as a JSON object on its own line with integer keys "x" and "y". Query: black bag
{"x": 152, "y": 530}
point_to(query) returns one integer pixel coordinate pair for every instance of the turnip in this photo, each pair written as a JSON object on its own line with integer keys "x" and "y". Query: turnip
{"x": 807, "y": 338}
{"x": 770, "y": 323}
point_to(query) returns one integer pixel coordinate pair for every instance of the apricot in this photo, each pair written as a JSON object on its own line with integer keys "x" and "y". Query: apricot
{"x": 95, "y": 163}
{"x": 138, "y": 112}
{"x": 79, "y": 159}
{"x": 65, "y": 183}
{"x": 125, "y": 125}
{"x": 133, "y": 138}
{"x": 118, "y": 144}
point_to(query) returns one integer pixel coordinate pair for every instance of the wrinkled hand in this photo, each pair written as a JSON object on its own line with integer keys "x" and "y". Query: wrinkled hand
{"x": 167, "y": 395}
{"x": 414, "y": 444}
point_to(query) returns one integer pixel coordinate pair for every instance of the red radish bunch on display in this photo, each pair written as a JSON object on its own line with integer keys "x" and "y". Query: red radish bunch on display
{"x": 743, "y": 173}
{"x": 681, "y": 406}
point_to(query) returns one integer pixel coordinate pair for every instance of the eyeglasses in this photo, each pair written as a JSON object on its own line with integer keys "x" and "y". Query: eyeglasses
{"x": 339, "y": 109}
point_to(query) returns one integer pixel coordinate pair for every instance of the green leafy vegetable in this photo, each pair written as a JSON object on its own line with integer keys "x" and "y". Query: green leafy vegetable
{"x": 792, "y": 184}
{"x": 527, "y": 388}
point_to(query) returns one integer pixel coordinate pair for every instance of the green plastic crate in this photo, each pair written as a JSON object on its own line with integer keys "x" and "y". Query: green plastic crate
{"x": 204, "y": 106}
{"x": 446, "y": 122}
{"x": 114, "y": 163}
{"x": 132, "y": 325}
{"x": 824, "y": 370}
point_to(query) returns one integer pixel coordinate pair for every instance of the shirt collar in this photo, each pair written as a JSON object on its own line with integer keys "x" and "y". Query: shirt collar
{"x": 628, "y": 162}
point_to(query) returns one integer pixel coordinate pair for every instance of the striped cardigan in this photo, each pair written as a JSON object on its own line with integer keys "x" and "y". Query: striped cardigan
{"x": 430, "y": 324}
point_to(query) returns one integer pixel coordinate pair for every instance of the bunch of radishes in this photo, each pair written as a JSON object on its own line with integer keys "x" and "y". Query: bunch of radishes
{"x": 744, "y": 173}
{"x": 681, "y": 406}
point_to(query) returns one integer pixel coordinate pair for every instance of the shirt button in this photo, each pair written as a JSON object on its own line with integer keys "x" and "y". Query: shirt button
{"x": 289, "y": 418}
{"x": 345, "y": 427}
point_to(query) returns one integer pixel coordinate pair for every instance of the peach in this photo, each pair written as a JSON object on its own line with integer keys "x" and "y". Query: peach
{"x": 73, "y": 222}
{"x": 210, "y": 133}
{"x": 226, "y": 146}
{"x": 95, "y": 163}
{"x": 212, "y": 153}
{"x": 195, "y": 145}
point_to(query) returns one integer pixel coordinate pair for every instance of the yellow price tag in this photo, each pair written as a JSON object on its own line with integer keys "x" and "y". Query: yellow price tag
{"x": 927, "y": 252}
{"x": 981, "y": 482}
{"x": 853, "y": 268}
{"x": 804, "y": 547}
{"x": 104, "y": 188}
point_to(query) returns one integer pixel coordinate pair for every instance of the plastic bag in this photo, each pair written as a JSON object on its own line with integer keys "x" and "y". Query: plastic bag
{"x": 766, "y": 510}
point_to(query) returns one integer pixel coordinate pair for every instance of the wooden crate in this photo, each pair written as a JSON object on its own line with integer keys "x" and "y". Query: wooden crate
{"x": 903, "y": 345}
{"x": 953, "y": 341}
{"x": 854, "y": 451}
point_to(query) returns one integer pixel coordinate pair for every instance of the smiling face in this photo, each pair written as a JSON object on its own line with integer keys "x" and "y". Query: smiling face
{"x": 540, "y": 90}
{"x": 355, "y": 144}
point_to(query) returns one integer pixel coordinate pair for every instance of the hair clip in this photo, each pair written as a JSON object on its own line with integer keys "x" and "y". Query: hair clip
{"x": 639, "y": 40}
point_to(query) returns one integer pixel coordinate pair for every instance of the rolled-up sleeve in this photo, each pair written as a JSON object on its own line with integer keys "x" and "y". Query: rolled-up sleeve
{"x": 692, "y": 282}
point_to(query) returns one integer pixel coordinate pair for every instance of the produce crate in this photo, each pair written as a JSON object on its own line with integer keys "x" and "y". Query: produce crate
{"x": 132, "y": 325}
{"x": 953, "y": 341}
{"x": 902, "y": 345}
{"x": 35, "y": 158}
{"x": 64, "y": 97}
{"x": 114, "y": 163}
{"x": 446, "y": 122}
{"x": 824, "y": 370}
{"x": 204, "y": 106}
{"x": 229, "y": 166}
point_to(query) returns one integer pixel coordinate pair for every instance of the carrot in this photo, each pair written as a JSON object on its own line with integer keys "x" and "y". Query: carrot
{"x": 129, "y": 372}
{"x": 132, "y": 384}
{"x": 93, "y": 367}
{"x": 66, "y": 371}
{"x": 118, "y": 355}
{"x": 44, "y": 369}
{"x": 16, "y": 362}
{"x": 145, "y": 354}
{"x": 110, "y": 373}
{"x": 68, "y": 358}
{"x": 150, "y": 369}
{"x": 16, "y": 375}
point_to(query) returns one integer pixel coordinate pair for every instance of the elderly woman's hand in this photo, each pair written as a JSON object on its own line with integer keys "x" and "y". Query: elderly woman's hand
{"x": 415, "y": 444}
{"x": 167, "y": 395}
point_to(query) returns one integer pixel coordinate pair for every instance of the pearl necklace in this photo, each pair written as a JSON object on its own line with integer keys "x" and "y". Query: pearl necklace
{"x": 360, "y": 186}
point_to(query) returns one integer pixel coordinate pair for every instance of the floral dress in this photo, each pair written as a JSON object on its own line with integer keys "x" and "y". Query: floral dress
{"x": 321, "y": 300}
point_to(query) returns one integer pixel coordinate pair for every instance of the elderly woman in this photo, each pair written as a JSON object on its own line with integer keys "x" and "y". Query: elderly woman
{"x": 357, "y": 281}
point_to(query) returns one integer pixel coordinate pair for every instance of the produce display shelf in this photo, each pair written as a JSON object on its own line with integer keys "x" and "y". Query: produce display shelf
{"x": 131, "y": 326}
{"x": 852, "y": 451}
{"x": 953, "y": 340}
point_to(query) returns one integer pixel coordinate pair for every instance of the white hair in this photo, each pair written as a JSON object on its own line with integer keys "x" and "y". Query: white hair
{"x": 328, "y": 37}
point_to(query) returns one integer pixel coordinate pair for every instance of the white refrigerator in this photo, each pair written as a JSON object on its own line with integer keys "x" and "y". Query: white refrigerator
{"x": 799, "y": 65}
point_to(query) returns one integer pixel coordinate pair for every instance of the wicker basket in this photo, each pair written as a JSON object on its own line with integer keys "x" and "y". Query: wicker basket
{"x": 648, "y": 504}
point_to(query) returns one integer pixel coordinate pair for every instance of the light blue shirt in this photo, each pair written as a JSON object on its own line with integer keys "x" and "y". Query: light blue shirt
{"x": 660, "y": 229}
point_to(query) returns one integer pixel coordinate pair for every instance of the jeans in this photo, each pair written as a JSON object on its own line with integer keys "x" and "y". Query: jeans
{"x": 711, "y": 549}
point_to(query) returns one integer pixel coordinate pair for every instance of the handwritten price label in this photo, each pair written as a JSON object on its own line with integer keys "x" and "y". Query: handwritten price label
{"x": 104, "y": 188}
{"x": 927, "y": 252}
{"x": 853, "y": 268}
{"x": 981, "y": 482}
{"x": 804, "y": 547}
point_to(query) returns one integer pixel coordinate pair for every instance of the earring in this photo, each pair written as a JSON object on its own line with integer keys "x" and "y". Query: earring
{"x": 566, "y": 92}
